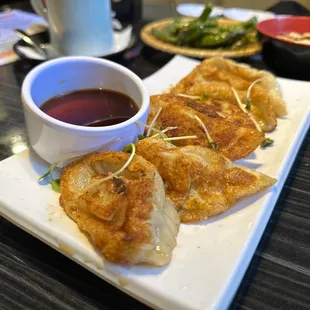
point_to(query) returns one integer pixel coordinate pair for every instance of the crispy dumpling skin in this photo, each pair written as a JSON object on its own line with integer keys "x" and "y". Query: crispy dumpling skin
{"x": 216, "y": 75}
{"x": 128, "y": 217}
{"x": 231, "y": 129}
{"x": 201, "y": 182}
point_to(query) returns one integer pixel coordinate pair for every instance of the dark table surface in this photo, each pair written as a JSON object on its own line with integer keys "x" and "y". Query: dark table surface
{"x": 34, "y": 276}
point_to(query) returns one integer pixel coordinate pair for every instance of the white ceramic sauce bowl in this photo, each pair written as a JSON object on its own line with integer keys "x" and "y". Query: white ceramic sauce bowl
{"x": 53, "y": 139}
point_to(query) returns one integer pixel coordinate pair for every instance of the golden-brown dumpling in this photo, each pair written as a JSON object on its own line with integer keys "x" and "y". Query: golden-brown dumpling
{"x": 200, "y": 181}
{"x": 231, "y": 129}
{"x": 127, "y": 217}
{"x": 215, "y": 76}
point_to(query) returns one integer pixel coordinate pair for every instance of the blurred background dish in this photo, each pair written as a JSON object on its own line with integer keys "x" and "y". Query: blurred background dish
{"x": 284, "y": 56}
{"x": 205, "y": 36}
{"x": 245, "y": 14}
{"x": 149, "y": 39}
{"x": 195, "y": 9}
{"x": 124, "y": 40}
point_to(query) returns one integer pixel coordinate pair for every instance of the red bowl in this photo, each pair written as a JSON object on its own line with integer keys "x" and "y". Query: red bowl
{"x": 283, "y": 25}
{"x": 285, "y": 56}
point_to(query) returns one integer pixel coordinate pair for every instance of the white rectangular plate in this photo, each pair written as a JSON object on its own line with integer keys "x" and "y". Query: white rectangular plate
{"x": 211, "y": 256}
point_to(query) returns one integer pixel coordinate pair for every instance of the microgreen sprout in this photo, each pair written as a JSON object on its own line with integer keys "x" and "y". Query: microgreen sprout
{"x": 248, "y": 94}
{"x": 248, "y": 104}
{"x": 241, "y": 105}
{"x": 141, "y": 137}
{"x": 160, "y": 133}
{"x": 190, "y": 97}
{"x": 153, "y": 129}
{"x": 44, "y": 175}
{"x": 203, "y": 97}
{"x": 220, "y": 114}
{"x": 127, "y": 148}
{"x": 267, "y": 142}
{"x": 115, "y": 174}
{"x": 243, "y": 108}
{"x": 164, "y": 131}
{"x": 212, "y": 144}
{"x": 56, "y": 185}
{"x": 56, "y": 182}
{"x": 180, "y": 138}
{"x": 153, "y": 121}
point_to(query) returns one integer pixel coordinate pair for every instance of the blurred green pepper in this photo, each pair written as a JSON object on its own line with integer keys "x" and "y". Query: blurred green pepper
{"x": 170, "y": 32}
{"x": 239, "y": 43}
{"x": 194, "y": 29}
{"x": 175, "y": 27}
{"x": 192, "y": 32}
{"x": 221, "y": 39}
{"x": 251, "y": 37}
{"x": 213, "y": 40}
{"x": 215, "y": 30}
{"x": 206, "y": 13}
{"x": 211, "y": 23}
{"x": 164, "y": 35}
{"x": 250, "y": 24}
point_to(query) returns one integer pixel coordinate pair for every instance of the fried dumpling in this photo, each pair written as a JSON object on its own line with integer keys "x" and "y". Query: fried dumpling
{"x": 127, "y": 217}
{"x": 215, "y": 76}
{"x": 200, "y": 181}
{"x": 231, "y": 129}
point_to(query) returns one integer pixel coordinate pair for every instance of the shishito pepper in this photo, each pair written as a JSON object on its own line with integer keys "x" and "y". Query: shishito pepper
{"x": 194, "y": 29}
{"x": 164, "y": 35}
{"x": 220, "y": 39}
{"x": 170, "y": 33}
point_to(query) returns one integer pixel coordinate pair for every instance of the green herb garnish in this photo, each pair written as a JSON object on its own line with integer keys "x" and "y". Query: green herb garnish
{"x": 248, "y": 104}
{"x": 128, "y": 148}
{"x": 243, "y": 108}
{"x": 141, "y": 137}
{"x": 214, "y": 146}
{"x": 54, "y": 182}
{"x": 248, "y": 94}
{"x": 205, "y": 97}
{"x": 160, "y": 132}
{"x": 44, "y": 175}
{"x": 56, "y": 185}
{"x": 267, "y": 142}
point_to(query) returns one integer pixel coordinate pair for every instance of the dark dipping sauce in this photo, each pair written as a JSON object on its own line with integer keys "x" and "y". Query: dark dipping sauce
{"x": 91, "y": 107}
